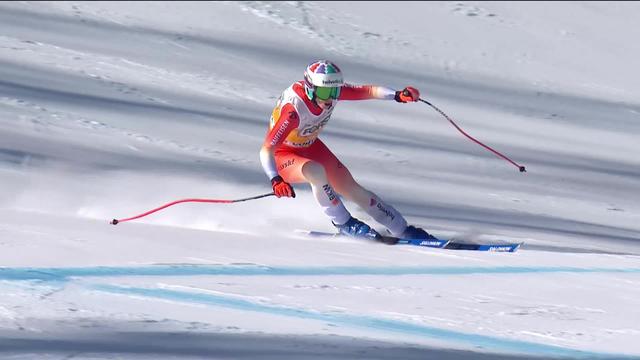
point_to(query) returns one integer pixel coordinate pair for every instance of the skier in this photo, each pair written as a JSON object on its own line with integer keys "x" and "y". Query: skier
{"x": 293, "y": 153}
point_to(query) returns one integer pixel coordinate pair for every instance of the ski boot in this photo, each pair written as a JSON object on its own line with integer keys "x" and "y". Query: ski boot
{"x": 357, "y": 228}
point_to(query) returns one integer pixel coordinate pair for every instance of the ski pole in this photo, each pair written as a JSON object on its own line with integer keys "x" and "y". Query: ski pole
{"x": 520, "y": 167}
{"x": 117, "y": 221}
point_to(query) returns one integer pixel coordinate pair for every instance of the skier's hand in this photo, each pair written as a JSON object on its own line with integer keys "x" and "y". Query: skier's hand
{"x": 408, "y": 94}
{"x": 282, "y": 188}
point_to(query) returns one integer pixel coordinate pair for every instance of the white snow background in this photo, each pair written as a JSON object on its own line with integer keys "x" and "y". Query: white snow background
{"x": 109, "y": 109}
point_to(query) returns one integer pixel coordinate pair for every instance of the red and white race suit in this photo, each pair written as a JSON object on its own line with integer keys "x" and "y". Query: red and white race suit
{"x": 292, "y": 141}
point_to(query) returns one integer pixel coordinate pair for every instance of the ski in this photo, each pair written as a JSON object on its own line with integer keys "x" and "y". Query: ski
{"x": 433, "y": 243}
{"x": 390, "y": 240}
{"x": 508, "y": 247}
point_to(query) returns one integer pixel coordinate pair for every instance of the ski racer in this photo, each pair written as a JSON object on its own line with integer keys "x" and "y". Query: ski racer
{"x": 293, "y": 153}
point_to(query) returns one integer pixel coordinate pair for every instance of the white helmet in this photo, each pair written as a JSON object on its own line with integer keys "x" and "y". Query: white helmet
{"x": 321, "y": 73}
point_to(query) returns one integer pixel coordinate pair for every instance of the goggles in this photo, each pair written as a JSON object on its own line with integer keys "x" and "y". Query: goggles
{"x": 326, "y": 93}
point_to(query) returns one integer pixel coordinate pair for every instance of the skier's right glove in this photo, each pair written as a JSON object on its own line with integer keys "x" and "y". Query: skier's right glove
{"x": 282, "y": 188}
{"x": 408, "y": 94}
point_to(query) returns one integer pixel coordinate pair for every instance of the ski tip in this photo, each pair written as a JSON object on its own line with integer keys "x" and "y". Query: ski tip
{"x": 114, "y": 222}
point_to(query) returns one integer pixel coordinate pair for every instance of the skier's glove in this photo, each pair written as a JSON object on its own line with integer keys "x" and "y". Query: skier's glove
{"x": 408, "y": 94}
{"x": 282, "y": 188}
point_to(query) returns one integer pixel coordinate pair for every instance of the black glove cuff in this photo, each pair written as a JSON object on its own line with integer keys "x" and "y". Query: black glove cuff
{"x": 397, "y": 97}
{"x": 276, "y": 179}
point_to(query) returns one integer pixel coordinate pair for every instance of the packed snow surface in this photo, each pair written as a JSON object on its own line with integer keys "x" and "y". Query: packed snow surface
{"x": 110, "y": 109}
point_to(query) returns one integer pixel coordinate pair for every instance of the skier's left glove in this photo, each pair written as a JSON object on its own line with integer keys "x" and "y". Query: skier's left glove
{"x": 282, "y": 188}
{"x": 408, "y": 94}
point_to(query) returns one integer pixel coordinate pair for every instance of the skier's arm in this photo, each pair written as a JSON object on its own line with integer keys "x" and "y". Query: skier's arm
{"x": 287, "y": 122}
{"x": 366, "y": 92}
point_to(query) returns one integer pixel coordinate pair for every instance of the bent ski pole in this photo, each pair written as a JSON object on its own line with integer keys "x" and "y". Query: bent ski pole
{"x": 117, "y": 221}
{"x": 520, "y": 167}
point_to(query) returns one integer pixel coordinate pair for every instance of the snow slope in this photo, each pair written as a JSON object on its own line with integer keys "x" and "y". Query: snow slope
{"x": 109, "y": 109}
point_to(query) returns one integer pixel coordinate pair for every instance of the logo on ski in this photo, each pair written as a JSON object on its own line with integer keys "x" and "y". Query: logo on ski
{"x": 430, "y": 243}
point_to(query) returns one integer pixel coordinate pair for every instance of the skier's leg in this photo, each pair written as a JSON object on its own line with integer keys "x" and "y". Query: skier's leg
{"x": 331, "y": 204}
{"x": 301, "y": 165}
{"x": 316, "y": 175}
{"x": 382, "y": 212}
{"x": 344, "y": 184}
{"x": 296, "y": 166}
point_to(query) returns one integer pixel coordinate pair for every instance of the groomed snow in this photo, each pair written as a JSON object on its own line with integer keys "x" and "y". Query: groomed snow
{"x": 109, "y": 109}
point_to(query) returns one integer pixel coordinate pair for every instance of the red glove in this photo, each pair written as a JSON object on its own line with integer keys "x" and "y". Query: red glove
{"x": 282, "y": 188}
{"x": 408, "y": 94}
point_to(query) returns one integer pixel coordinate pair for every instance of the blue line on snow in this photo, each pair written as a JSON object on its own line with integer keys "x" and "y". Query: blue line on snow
{"x": 487, "y": 342}
{"x": 57, "y": 274}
